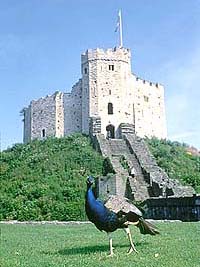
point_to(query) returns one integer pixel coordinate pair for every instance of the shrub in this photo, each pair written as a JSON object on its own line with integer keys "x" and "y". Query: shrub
{"x": 174, "y": 158}
{"x": 45, "y": 180}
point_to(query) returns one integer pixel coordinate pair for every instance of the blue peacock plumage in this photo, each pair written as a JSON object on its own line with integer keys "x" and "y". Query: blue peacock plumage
{"x": 116, "y": 213}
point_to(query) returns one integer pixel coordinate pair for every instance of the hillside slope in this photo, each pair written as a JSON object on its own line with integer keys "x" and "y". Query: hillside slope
{"x": 45, "y": 180}
{"x": 179, "y": 161}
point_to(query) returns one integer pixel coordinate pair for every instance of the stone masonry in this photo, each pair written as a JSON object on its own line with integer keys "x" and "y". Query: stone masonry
{"x": 107, "y": 91}
{"x": 172, "y": 208}
{"x": 44, "y": 117}
{"x": 149, "y": 179}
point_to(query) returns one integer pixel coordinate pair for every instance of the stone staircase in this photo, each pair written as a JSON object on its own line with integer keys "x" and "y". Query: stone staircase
{"x": 149, "y": 179}
{"x": 159, "y": 182}
{"x": 117, "y": 150}
{"x": 118, "y": 147}
{"x": 138, "y": 184}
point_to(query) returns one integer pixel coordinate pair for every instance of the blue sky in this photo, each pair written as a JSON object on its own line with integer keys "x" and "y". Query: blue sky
{"x": 41, "y": 43}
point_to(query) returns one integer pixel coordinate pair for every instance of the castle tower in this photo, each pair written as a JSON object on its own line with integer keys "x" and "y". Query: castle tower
{"x": 105, "y": 78}
{"x": 112, "y": 93}
{"x": 44, "y": 118}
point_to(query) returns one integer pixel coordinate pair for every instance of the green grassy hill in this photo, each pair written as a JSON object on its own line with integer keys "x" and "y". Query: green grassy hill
{"x": 179, "y": 161}
{"x": 45, "y": 180}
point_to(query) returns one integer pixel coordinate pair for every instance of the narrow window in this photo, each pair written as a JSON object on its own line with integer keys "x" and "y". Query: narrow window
{"x": 109, "y": 92}
{"x": 111, "y": 67}
{"x": 85, "y": 70}
{"x": 108, "y": 191}
{"x": 146, "y": 99}
{"x": 110, "y": 108}
{"x": 43, "y": 133}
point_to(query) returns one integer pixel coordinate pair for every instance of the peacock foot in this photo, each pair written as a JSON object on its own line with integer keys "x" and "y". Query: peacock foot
{"x": 111, "y": 255}
{"x": 132, "y": 249}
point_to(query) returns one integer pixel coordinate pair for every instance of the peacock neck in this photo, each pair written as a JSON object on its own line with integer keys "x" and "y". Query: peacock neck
{"x": 90, "y": 195}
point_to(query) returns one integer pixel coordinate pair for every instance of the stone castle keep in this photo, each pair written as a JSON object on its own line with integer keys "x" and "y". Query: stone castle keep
{"x": 106, "y": 95}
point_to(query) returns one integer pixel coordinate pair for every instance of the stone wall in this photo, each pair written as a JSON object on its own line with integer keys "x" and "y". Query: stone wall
{"x": 183, "y": 208}
{"x": 44, "y": 118}
{"x": 105, "y": 186}
{"x": 73, "y": 110}
{"x": 43, "y": 112}
{"x": 94, "y": 126}
{"x": 27, "y": 124}
{"x": 59, "y": 102}
{"x": 108, "y": 90}
{"x": 85, "y": 68}
{"x": 149, "y": 109}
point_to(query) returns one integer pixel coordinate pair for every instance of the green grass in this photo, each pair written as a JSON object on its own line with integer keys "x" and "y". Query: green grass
{"x": 83, "y": 245}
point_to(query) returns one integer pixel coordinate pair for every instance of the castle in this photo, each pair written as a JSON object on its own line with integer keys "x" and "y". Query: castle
{"x": 117, "y": 109}
{"x": 106, "y": 95}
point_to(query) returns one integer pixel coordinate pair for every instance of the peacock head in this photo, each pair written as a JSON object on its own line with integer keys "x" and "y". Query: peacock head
{"x": 90, "y": 180}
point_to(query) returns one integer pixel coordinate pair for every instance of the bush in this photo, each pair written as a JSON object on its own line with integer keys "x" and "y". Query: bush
{"x": 175, "y": 159}
{"x": 46, "y": 180}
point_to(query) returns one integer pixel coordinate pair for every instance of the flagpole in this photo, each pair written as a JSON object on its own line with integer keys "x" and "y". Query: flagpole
{"x": 120, "y": 29}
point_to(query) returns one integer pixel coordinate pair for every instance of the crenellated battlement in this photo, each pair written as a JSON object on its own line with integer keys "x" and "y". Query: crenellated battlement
{"x": 111, "y": 54}
{"x": 148, "y": 83}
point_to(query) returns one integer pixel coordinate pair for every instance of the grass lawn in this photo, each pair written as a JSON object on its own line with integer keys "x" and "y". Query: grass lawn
{"x": 178, "y": 245}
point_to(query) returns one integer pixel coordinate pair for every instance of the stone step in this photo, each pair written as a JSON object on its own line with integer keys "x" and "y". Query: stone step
{"x": 118, "y": 147}
{"x": 132, "y": 161}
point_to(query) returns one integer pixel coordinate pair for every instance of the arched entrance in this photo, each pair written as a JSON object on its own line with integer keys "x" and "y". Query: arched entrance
{"x": 110, "y": 131}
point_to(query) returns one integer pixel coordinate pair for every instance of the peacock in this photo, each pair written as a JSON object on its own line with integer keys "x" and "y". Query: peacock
{"x": 117, "y": 212}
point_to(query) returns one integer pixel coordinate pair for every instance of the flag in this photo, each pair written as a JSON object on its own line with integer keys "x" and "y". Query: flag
{"x": 119, "y": 27}
{"x": 118, "y": 21}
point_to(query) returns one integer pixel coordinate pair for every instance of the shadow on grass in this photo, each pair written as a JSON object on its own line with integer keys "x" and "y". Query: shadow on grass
{"x": 93, "y": 249}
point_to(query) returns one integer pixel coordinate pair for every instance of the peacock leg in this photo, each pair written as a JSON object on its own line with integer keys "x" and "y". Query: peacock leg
{"x": 132, "y": 246}
{"x": 111, "y": 244}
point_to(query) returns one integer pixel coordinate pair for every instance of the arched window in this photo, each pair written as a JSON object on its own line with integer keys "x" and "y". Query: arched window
{"x": 110, "y": 108}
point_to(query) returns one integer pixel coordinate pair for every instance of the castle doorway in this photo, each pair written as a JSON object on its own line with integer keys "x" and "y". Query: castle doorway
{"x": 110, "y": 131}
